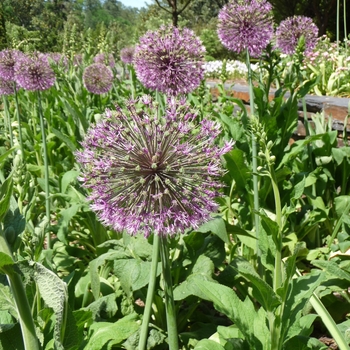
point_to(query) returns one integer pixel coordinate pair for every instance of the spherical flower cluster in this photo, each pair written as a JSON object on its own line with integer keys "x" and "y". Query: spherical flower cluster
{"x": 127, "y": 54}
{"x": 106, "y": 59}
{"x": 8, "y": 59}
{"x": 170, "y": 60}
{"x": 152, "y": 174}
{"x": 34, "y": 72}
{"x": 98, "y": 78}
{"x": 292, "y": 29}
{"x": 246, "y": 25}
{"x": 6, "y": 87}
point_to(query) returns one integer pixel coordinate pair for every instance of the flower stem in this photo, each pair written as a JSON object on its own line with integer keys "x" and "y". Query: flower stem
{"x": 8, "y": 119}
{"x": 18, "y": 120}
{"x": 255, "y": 165}
{"x": 46, "y": 170}
{"x": 30, "y": 339}
{"x": 169, "y": 298}
{"x": 150, "y": 294}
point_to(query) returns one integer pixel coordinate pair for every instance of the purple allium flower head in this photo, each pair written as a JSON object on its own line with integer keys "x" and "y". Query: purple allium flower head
{"x": 8, "y": 59}
{"x": 106, "y": 59}
{"x": 170, "y": 60}
{"x": 34, "y": 72}
{"x": 246, "y": 25}
{"x": 290, "y": 31}
{"x": 127, "y": 54}
{"x": 98, "y": 78}
{"x": 152, "y": 174}
{"x": 58, "y": 59}
{"x": 6, "y": 87}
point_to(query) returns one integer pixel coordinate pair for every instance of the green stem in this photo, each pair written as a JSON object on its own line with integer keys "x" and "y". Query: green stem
{"x": 46, "y": 170}
{"x": 255, "y": 165}
{"x": 327, "y": 320}
{"x": 18, "y": 120}
{"x": 8, "y": 119}
{"x": 30, "y": 339}
{"x": 169, "y": 298}
{"x": 277, "y": 280}
{"x": 150, "y": 293}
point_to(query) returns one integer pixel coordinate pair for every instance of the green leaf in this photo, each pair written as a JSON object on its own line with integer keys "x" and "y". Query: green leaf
{"x": 68, "y": 178}
{"x": 64, "y": 138}
{"x": 237, "y": 167}
{"x": 5, "y": 259}
{"x": 207, "y": 344}
{"x": 66, "y": 216}
{"x": 5, "y": 196}
{"x": 242, "y": 313}
{"x": 104, "y": 307}
{"x": 7, "y": 302}
{"x": 54, "y": 292}
{"x": 342, "y": 205}
{"x": 217, "y": 227}
{"x": 105, "y": 333}
{"x": 12, "y": 339}
{"x": 332, "y": 268}
{"x": 262, "y": 291}
{"x": 133, "y": 273}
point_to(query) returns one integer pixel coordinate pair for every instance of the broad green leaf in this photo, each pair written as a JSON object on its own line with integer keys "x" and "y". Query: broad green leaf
{"x": 7, "y": 302}
{"x": 103, "y": 335}
{"x": 66, "y": 216}
{"x": 4, "y": 258}
{"x": 99, "y": 261}
{"x": 332, "y": 268}
{"x": 203, "y": 269}
{"x": 261, "y": 291}
{"x": 68, "y": 178}
{"x": 133, "y": 273}
{"x": 5, "y": 196}
{"x": 242, "y": 313}
{"x": 54, "y": 292}
{"x": 104, "y": 307}
{"x": 342, "y": 205}
{"x": 299, "y": 293}
{"x": 237, "y": 167}
{"x": 65, "y": 139}
{"x": 216, "y": 226}
{"x": 207, "y": 344}
{"x": 4, "y": 155}
{"x": 12, "y": 339}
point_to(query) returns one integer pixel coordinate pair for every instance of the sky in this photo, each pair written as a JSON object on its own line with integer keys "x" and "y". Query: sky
{"x": 134, "y": 3}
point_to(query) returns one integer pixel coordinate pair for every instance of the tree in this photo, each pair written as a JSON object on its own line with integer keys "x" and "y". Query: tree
{"x": 172, "y": 8}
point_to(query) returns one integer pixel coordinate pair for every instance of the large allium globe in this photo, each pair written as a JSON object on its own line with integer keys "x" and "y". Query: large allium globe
{"x": 292, "y": 29}
{"x": 34, "y": 72}
{"x": 6, "y": 87}
{"x": 170, "y": 60}
{"x": 127, "y": 54}
{"x": 152, "y": 174}
{"x": 246, "y": 25}
{"x": 98, "y": 78}
{"x": 104, "y": 58}
{"x": 8, "y": 59}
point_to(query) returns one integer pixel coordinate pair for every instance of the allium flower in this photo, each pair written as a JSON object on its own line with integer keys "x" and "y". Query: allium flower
{"x": 152, "y": 174}
{"x": 246, "y": 25}
{"x": 58, "y": 59}
{"x": 34, "y": 72}
{"x": 8, "y": 59}
{"x": 127, "y": 54}
{"x": 290, "y": 31}
{"x": 6, "y": 87}
{"x": 170, "y": 60}
{"x": 106, "y": 59}
{"x": 98, "y": 78}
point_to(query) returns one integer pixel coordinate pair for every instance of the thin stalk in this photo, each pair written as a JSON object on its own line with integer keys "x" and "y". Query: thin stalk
{"x": 30, "y": 339}
{"x": 169, "y": 298}
{"x": 277, "y": 280}
{"x": 18, "y": 121}
{"x": 46, "y": 169}
{"x": 327, "y": 320}
{"x": 8, "y": 119}
{"x": 150, "y": 293}
{"x": 338, "y": 15}
{"x": 255, "y": 165}
{"x": 345, "y": 30}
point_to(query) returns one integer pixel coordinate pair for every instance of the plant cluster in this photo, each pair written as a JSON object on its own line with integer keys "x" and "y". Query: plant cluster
{"x": 137, "y": 212}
